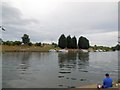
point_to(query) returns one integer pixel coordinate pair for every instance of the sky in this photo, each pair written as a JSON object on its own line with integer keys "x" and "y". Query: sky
{"x": 45, "y": 20}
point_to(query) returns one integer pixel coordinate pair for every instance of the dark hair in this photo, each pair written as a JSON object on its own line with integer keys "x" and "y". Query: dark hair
{"x": 107, "y": 74}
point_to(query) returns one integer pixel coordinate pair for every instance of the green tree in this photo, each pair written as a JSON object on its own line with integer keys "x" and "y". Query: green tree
{"x": 26, "y": 39}
{"x": 30, "y": 44}
{"x": 69, "y": 42}
{"x": 74, "y": 42}
{"x": 62, "y": 42}
{"x": 38, "y": 44}
{"x": 17, "y": 43}
{"x": 83, "y": 43}
{"x": 54, "y": 44}
{"x": 118, "y": 47}
{"x": 8, "y": 43}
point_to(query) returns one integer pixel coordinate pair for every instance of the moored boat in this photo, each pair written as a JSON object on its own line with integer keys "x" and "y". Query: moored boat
{"x": 63, "y": 50}
{"x": 52, "y": 50}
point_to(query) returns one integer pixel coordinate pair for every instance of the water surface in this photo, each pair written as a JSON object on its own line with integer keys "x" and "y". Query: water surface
{"x": 57, "y": 70}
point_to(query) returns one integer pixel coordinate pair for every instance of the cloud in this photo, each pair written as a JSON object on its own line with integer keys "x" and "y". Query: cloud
{"x": 14, "y": 22}
{"x": 89, "y": 19}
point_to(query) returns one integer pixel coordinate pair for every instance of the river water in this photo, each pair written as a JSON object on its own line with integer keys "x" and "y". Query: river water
{"x": 56, "y": 69}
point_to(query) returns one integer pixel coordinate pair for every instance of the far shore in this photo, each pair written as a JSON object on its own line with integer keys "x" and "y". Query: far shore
{"x": 26, "y": 48}
{"x": 43, "y": 48}
{"x": 23, "y": 48}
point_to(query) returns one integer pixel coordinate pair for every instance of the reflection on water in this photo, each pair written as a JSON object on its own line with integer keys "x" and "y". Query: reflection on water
{"x": 83, "y": 61}
{"x": 24, "y": 65}
{"x": 83, "y": 56}
{"x": 56, "y": 70}
{"x": 73, "y": 60}
{"x": 71, "y": 65}
{"x": 15, "y": 67}
{"x": 67, "y": 60}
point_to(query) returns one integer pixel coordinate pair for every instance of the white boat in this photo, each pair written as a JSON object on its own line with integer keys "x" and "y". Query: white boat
{"x": 52, "y": 50}
{"x": 84, "y": 50}
{"x": 63, "y": 50}
{"x": 100, "y": 50}
{"x": 96, "y": 50}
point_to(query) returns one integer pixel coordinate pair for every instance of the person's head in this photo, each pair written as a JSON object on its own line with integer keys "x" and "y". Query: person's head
{"x": 107, "y": 75}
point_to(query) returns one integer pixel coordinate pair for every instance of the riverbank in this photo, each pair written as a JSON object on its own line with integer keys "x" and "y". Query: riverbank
{"x": 25, "y": 48}
{"x": 43, "y": 48}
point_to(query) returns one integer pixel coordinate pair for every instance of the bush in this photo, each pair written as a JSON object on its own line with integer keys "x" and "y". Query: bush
{"x": 38, "y": 44}
{"x": 30, "y": 44}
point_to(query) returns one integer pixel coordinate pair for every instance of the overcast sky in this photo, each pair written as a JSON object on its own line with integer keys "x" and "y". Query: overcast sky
{"x": 45, "y": 20}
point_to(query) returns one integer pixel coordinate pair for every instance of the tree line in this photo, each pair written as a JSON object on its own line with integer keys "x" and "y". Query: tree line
{"x": 25, "y": 41}
{"x": 71, "y": 43}
{"x": 117, "y": 47}
{"x": 63, "y": 42}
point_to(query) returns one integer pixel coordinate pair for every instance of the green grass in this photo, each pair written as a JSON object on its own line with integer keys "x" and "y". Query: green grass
{"x": 26, "y": 48}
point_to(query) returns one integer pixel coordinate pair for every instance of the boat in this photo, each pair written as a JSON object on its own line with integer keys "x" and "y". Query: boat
{"x": 84, "y": 50}
{"x": 52, "y": 50}
{"x": 63, "y": 50}
{"x": 100, "y": 50}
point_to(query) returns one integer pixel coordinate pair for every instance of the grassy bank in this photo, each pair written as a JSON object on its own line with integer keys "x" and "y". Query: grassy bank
{"x": 33, "y": 48}
{"x": 25, "y": 48}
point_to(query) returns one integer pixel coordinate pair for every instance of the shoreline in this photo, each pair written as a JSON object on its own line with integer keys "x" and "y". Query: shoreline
{"x": 95, "y": 86}
{"x": 6, "y": 48}
{"x": 46, "y": 48}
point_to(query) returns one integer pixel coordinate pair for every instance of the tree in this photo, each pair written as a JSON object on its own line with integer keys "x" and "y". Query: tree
{"x": 62, "y": 42}
{"x": 17, "y": 43}
{"x": 83, "y": 43}
{"x": 74, "y": 42}
{"x": 38, "y": 44}
{"x": 69, "y": 41}
{"x": 30, "y": 44}
{"x": 117, "y": 47}
{"x": 26, "y": 39}
{"x": 8, "y": 43}
{"x": 54, "y": 44}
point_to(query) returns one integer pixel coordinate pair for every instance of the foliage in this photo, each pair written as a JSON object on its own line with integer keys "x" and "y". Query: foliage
{"x": 26, "y": 39}
{"x": 62, "y": 42}
{"x": 83, "y": 43}
{"x": 30, "y": 44}
{"x": 38, "y": 44}
{"x": 54, "y": 44}
{"x": 74, "y": 42}
{"x": 69, "y": 42}
{"x": 17, "y": 43}
{"x": 10, "y": 43}
{"x": 117, "y": 47}
{"x": 103, "y": 48}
